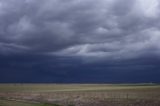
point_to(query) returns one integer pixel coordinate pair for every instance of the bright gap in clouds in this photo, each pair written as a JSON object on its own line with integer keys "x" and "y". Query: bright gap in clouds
{"x": 149, "y": 7}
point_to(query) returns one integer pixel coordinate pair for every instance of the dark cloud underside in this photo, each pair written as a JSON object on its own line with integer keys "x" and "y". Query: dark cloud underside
{"x": 79, "y": 40}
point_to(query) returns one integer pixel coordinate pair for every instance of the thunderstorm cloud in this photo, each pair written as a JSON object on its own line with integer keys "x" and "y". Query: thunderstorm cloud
{"x": 64, "y": 38}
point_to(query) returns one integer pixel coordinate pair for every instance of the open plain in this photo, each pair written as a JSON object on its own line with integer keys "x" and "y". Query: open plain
{"x": 79, "y": 95}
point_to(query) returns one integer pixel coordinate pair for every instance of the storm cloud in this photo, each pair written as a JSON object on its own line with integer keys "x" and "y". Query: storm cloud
{"x": 80, "y": 33}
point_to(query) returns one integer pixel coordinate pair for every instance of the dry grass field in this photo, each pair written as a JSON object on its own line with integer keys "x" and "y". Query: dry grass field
{"x": 79, "y": 95}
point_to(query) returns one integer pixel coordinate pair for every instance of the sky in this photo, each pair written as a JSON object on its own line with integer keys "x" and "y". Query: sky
{"x": 79, "y": 41}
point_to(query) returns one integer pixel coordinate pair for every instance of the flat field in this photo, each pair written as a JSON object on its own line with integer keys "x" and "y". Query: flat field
{"x": 79, "y": 95}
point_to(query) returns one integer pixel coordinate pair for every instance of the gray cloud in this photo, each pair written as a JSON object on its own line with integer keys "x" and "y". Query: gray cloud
{"x": 106, "y": 29}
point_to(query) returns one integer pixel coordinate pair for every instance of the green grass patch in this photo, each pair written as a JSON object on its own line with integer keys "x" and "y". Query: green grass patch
{"x": 21, "y": 103}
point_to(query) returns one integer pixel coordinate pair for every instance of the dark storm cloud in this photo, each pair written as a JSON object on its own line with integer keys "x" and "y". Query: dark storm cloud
{"x": 38, "y": 68}
{"x": 108, "y": 28}
{"x": 57, "y": 39}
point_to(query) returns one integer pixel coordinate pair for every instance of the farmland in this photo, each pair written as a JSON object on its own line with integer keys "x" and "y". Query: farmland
{"x": 79, "y": 95}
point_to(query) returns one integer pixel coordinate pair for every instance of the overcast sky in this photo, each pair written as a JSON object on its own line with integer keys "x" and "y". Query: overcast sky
{"x": 79, "y": 41}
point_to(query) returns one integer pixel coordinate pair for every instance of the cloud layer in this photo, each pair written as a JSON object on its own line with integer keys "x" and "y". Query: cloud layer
{"x": 79, "y": 40}
{"x": 107, "y": 28}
